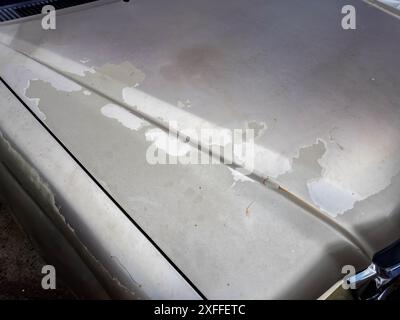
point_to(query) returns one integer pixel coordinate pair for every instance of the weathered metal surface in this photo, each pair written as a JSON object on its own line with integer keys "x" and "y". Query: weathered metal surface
{"x": 78, "y": 227}
{"x": 324, "y": 103}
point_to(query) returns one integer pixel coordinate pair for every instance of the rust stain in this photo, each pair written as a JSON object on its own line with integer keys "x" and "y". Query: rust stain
{"x": 248, "y": 208}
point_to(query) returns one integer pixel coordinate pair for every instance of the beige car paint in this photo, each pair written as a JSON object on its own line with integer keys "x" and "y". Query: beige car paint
{"x": 328, "y": 132}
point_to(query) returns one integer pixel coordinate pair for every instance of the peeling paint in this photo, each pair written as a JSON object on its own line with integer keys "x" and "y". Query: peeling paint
{"x": 268, "y": 162}
{"x": 20, "y": 78}
{"x": 259, "y": 127}
{"x": 307, "y": 178}
{"x": 314, "y": 184}
{"x": 312, "y": 178}
{"x": 126, "y": 118}
{"x": 39, "y": 185}
{"x": 364, "y": 170}
{"x": 39, "y": 90}
{"x": 220, "y": 80}
{"x": 331, "y": 198}
{"x": 48, "y": 198}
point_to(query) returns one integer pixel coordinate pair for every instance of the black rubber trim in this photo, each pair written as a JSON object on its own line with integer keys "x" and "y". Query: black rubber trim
{"x": 106, "y": 192}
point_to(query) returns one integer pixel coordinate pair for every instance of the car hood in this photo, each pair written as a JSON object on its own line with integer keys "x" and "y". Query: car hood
{"x": 323, "y": 104}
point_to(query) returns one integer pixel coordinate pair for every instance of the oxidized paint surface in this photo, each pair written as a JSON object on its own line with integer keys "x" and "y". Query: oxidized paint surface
{"x": 324, "y": 105}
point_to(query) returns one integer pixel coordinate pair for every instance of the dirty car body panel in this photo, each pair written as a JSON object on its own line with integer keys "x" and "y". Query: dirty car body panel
{"x": 97, "y": 92}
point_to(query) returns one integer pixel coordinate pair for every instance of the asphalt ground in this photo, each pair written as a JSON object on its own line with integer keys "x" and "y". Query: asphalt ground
{"x": 21, "y": 264}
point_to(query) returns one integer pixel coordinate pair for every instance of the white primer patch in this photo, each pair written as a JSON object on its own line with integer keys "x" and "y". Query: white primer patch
{"x": 20, "y": 77}
{"x": 371, "y": 174}
{"x": 87, "y": 92}
{"x": 330, "y": 198}
{"x": 123, "y": 116}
